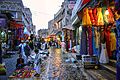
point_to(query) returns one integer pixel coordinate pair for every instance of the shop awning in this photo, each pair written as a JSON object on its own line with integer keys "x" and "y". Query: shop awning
{"x": 14, "y": 24}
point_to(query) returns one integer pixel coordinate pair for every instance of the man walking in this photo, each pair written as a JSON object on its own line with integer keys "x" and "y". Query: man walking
{"x": 22, "y": 51}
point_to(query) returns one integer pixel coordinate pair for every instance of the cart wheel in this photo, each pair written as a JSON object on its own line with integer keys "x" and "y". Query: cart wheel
{"x": 96, "y": 67}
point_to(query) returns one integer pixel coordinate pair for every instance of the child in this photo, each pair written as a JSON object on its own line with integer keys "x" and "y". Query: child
{"x": 20, "y": 62}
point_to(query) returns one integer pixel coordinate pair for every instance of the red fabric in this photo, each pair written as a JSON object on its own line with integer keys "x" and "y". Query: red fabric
{"x": 91, "y": 16}
{"x": 107, "y": 36}
{"x": 90, "y": 41}
{"x": 95, "y": 16}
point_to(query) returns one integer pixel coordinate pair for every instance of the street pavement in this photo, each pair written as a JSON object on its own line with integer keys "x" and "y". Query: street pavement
{"x": 58, "y": 69}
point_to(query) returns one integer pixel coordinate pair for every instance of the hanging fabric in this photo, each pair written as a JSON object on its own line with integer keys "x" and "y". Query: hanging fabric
{"x": 100, "y": 17}
{"x": 97, "y": 41}
{"x": 91, "y": 16}
{"x": 83, "y": 48}
{"x": 108, "y": 15}
{"x": 93, "y": 42}
{"x": 86, "y": 18}
{"x": 107, "y": 36}
{"x": 90, "y": 41}
{"x": 112, "y": 41}
{"x": 95, "y": 15}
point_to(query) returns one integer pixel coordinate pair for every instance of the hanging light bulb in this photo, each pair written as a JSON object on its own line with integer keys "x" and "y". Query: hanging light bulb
{"x": 106, "y": 12}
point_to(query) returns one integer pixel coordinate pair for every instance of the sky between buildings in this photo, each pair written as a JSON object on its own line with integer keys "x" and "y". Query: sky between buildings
{"x": 42, "y": 11}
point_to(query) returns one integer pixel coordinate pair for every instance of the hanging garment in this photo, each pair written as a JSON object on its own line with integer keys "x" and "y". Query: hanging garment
{"x": 95, "y": 15}
{"x": 112, "y": 41}
{"x": 93, "y": 42}
{"x": 97, "y": 38}
{"x": 108, "y": 16}
{"x": 107, "y": 36}
{"x": 86, "y": 18}
{"x": 103, "y": 56}
{"x": 100, "y": 17}
{"x": 83, "y": 48}
{"x": 90, "y": 41}
{"x": 91, "y": 16}
{"x": 102, "y": 36}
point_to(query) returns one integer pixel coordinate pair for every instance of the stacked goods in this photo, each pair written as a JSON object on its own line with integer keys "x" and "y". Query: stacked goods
{"x": 2, "y": 69}
{"x": 23, "y": 73}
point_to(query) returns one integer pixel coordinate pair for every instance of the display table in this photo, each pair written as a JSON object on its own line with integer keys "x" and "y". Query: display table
{"x": 26, "y": 73}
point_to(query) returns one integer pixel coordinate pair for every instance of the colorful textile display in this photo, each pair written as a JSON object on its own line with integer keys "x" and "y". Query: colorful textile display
{"x": 83, "y": 48}
{"x": 86, "y": 18}
{"x": 93, "y": 42}
{"x": 95, "y": 15}
{"x": 107, "y": 36}
{"x": 112, "y": 41}
{"x": 108, "y": 16}
{"x": 97, "y": 38}
{"x": 91, "y": 16}
{"x": 100, "y": 17}
{"x": 90, "y": 40}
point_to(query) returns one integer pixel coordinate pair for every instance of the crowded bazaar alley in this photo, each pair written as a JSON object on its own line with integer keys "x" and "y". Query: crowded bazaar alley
{"x": 59, "y": 39}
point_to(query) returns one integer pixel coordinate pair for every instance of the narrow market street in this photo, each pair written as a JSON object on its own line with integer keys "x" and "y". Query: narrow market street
{"x": 58, "y": 69}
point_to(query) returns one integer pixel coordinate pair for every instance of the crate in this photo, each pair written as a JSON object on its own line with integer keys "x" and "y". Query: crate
{"x": 90, "y": 61}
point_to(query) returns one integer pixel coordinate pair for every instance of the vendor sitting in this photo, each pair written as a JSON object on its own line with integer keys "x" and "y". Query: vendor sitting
{"x": 20, "y": 62}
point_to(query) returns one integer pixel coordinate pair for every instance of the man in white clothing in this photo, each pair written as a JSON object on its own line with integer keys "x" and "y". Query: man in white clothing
{"x": 22, "y": 51}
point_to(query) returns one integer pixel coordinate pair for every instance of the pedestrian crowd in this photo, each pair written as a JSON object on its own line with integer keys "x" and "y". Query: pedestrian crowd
{"x": 29, "y": 54}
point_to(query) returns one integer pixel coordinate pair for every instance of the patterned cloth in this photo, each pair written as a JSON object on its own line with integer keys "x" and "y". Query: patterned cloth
{"x": 90, "y": 40}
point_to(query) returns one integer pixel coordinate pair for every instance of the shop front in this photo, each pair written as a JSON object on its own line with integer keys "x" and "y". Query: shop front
{"x": 100, "y": 31}
{"x": 98, "y": 35}
{"x": 67, "y": 37}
